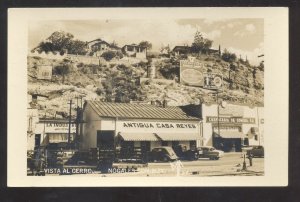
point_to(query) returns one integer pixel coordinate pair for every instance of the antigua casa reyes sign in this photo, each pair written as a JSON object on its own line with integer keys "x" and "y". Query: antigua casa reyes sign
{"x": 151, "y": 126}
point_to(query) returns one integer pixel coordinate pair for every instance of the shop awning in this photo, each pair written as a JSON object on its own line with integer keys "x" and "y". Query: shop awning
{"x": 232, "y": 134}
{"x": 138, "y": 136}
{"x": 179, "y": 136}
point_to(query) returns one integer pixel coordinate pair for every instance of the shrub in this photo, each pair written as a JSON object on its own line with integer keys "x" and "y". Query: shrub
{"x": 80, "y": 64}
{"x": 99, "y": 91}
{"x": 170, "y": 71}
{"x": 108, "y": 55}
{"x": 62, "y": 69}
{"x": 228, "y": 57}
{"x": 119, "y": 54}
{"x": 36, "y": 57}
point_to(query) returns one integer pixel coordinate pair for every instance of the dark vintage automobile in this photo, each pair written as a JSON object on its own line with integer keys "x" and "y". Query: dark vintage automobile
{"x": 209, "y": 152}
{"x": 164, "y": 154}
{"x": 184, "y": 154}
{"x": 256, "y": 151}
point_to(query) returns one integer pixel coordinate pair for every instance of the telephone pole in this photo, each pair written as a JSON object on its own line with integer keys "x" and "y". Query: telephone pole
{"x": 69, "y": 133}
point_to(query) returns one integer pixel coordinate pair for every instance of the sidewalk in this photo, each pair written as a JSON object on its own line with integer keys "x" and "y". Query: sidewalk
{"x": 256, "y": 170}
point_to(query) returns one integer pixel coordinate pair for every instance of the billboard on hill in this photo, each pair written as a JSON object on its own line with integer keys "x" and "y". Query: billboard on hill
{"x": 191, "y": 72}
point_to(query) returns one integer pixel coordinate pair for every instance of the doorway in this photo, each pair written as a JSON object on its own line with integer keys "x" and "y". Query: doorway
{"x": 37, "y": 140}
{"x": 105, "y": 139}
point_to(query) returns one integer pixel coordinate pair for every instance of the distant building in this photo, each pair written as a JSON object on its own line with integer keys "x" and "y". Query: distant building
{"x": 134, "y": 50}
{"x": 179, "y": 50}
{"x": 213, "y": 52}
{"x": 99, "y": 46}
{"x": 52, "y": 131}
{"x": 238, "y": 126}
{"x": 183, "y": 50}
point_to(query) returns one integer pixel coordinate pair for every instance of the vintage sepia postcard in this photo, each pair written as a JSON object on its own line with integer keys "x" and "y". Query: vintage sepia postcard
{"x": 148, "y": 97}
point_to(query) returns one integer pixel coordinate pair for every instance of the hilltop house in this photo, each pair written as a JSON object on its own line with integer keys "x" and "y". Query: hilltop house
{"x": 183, "y": 50}
{"x": 179, "y": 50}
{"x": 134, "y": 50}
{"x": 99, "y": 46}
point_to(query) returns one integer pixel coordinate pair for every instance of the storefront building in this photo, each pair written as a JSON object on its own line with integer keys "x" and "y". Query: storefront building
{"x": 237, "y": 126}
{"x": 54, "y": 132}
{"x": 138, "y": 126}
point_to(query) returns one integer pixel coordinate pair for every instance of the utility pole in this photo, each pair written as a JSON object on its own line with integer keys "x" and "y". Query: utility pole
{"x": 218, "y": 112}
{"x": 258, "y": 126}
{"x": 69, "y": 133}
{"x": 78, "y": 118}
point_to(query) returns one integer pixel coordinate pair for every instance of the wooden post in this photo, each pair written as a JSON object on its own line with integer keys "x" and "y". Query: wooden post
{"x": 69, "y": 133}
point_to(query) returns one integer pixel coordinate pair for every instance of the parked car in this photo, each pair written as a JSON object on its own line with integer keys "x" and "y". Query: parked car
{"x": 184, "y": 154}
{"x": 164, "y": 154}
{"x": 256, "y": 151}
{"x": 209, "y": 152}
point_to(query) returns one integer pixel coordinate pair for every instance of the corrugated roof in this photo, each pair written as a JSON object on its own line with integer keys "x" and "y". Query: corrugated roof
{"x": 141, "y": 111}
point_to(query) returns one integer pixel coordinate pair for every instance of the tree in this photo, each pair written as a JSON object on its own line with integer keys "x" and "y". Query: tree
{"x": 261, "y": 66}
{"x": 45, "y": 46}
{"x": 60, "y": 40}
{"x": 201, "y": 44}
{"x": 62, "y": 70}
{"x": 108, "y": 55}
{"x": 228, "y": 57}
{"x": 77, "y": 47}
{"x": 146, "y": 44}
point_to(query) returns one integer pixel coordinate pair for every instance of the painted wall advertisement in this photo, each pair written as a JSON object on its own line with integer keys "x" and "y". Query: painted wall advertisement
{"x": 55, "y": 127}
{"x": 191, "y": 72}
{"x": 44, "y": 72}
{"x": 237, "y": 120}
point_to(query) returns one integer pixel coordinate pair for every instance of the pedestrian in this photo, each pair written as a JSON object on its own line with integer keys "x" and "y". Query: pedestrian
{"x": 250, "y": 156}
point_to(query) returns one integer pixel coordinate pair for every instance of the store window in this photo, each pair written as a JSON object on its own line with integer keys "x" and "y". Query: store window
{"x": 127, "y": 149}
{"x": 59, "y": 137}
{"x": 246, "y": 141}
{"x": 37, "y": 140}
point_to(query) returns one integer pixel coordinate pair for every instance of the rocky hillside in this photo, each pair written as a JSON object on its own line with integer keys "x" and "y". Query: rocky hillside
{"x": 119, "y": 82}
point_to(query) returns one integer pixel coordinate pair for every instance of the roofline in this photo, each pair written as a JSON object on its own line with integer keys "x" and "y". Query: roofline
{"x": 135, "y": 46}
{"x": 102, "y": 42}
{"x": 238, "y": 104}
{"x": 123, "y": 117}
{"x": 95, "y": 40}
{"x": 58, "y": 120}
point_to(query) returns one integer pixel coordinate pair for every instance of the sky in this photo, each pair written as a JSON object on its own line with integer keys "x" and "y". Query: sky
{"x": 244, "y": 37}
